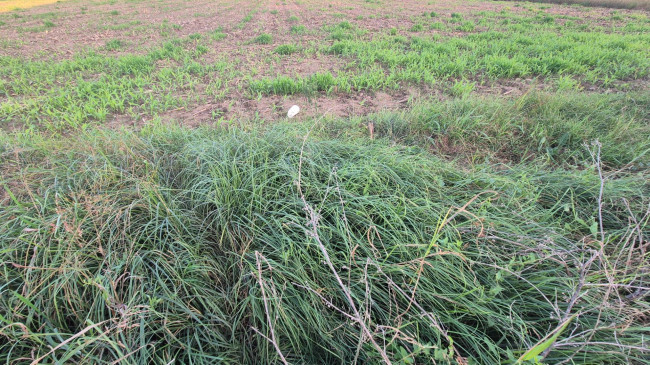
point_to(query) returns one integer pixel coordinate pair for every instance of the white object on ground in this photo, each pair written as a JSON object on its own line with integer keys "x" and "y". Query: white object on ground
{"x": 293, "y": 111}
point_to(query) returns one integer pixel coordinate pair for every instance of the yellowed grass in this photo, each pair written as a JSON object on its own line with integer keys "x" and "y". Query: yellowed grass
{"x": 8, "y": 5}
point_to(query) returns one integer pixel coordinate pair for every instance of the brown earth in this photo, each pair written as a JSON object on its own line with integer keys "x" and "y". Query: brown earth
{"x": 88, "y": 24}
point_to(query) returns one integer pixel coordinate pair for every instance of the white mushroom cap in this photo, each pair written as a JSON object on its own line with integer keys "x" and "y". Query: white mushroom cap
{"x": 293, "y": 111}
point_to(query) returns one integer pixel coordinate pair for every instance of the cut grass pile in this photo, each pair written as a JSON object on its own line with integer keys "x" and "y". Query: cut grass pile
{"x": 172, "y": 244}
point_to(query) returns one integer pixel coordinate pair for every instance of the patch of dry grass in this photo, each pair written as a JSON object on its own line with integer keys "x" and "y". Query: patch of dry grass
{"x": 8, "y": 5}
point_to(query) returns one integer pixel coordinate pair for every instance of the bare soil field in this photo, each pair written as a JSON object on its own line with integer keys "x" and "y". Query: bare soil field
{"x": 616, "y": 4}
{"x": 225, "y": 33}
{"x": 89, "y": 24}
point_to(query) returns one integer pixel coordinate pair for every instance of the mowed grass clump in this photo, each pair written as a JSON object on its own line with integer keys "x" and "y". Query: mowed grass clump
{"x": 205, "y": 246}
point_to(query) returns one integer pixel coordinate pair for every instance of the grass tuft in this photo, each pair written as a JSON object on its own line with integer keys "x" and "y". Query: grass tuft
{"x": 286, "y": 49}
{"x": 298, "y": 29}
{"x": 189, "y": 245}
{"x": 114, "y": 45}
{"x": 263, "y": 39}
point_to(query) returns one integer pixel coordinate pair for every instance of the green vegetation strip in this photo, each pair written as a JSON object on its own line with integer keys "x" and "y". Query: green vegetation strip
{"x": 89, "y": 87}
{"x": 170, "y": 244}
{"x": 541, "y": 127}
{"x": 387, "y": 61}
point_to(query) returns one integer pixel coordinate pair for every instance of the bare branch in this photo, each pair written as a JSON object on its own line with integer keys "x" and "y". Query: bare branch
{"x": 312, "y": 231}
{"x": 266, "y": 310}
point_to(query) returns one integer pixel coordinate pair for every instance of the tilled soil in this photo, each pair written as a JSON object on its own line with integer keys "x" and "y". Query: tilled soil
{"x": 86, "y": 25}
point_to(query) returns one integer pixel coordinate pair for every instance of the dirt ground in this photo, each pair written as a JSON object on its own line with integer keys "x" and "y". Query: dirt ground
{"x": 85, "y": 25}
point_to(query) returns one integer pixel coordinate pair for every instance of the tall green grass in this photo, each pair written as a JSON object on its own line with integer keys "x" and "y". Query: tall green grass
{"x": 476, "y": 230}
{"x": 551, "y": 126}
{"x": 194, "y": 246}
